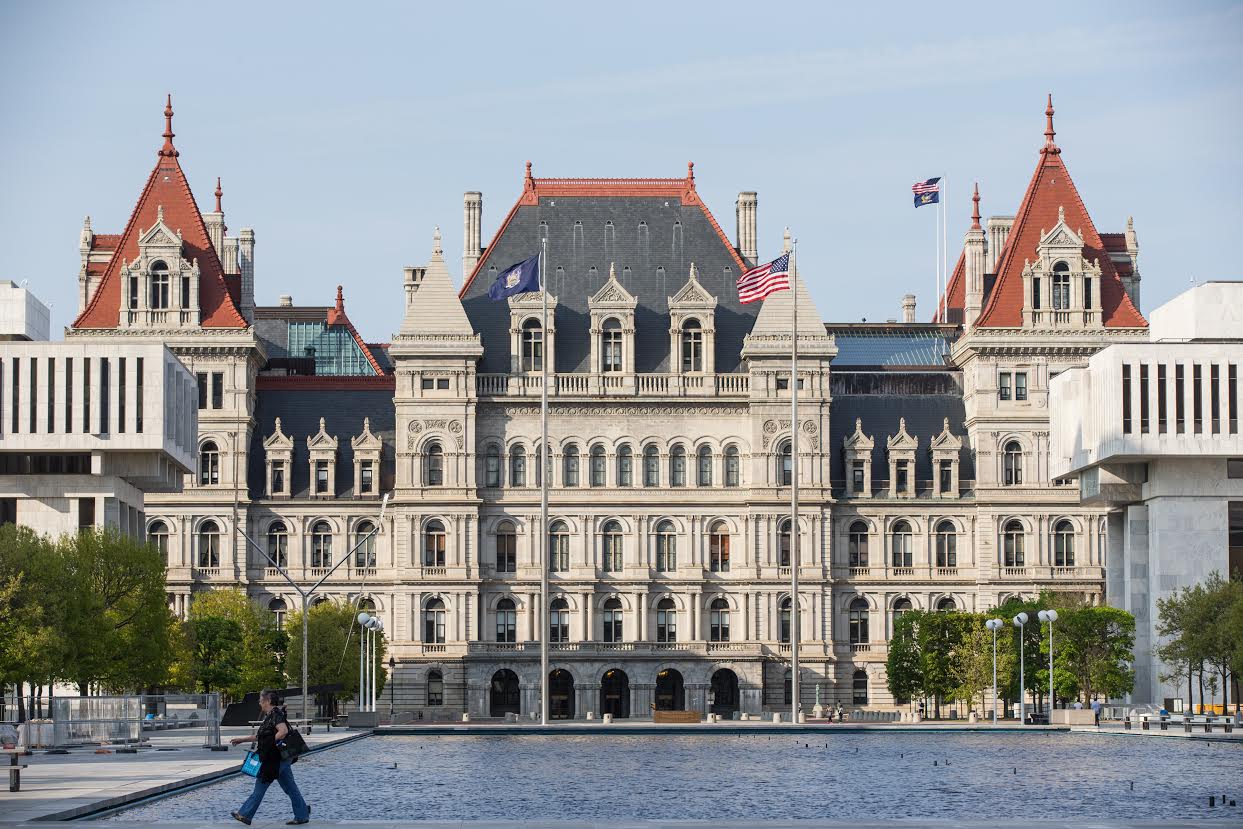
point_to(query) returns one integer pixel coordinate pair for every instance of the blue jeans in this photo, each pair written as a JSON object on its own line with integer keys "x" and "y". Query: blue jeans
{"x": 287, "y": 784}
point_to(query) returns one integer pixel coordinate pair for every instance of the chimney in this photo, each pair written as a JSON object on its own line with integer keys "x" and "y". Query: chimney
{"x": 472, "y": 214}
{"x": 745, "y": 208}
{"x": 908, "y": 308}
{"x": 286, "y": 301}
{"x": 998, "y": 232}
{"x": 1131, "y": 283}
{"x": 975, "y": 256}
{"x": 246, "y": 265}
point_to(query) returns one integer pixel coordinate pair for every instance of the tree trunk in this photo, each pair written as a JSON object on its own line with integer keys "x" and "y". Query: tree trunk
{"x": 21, "y": 702}
{"x": 1201, "y": 687}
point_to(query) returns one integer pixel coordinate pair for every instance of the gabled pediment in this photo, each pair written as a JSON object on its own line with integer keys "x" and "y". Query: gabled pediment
{"x": 366, "y": 442}
{"x": 947, "y": 441}
{"x": 612, "y": 295}
{"x": 321, "y": 440}
{"x": 692, "y": 295}
{"x": 531, "y": 300}
{"x": 278, "y": 441}
{"x": 902, "y": 440}
{"x": 857, "y": 441}
{"x": 159, "y": 235}
{"x": 1062, "y": 235}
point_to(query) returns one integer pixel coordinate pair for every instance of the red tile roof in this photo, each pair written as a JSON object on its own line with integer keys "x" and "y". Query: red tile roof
{"x": 105, "y": 241}
{"x": 1114, "y": 242}
{"x": 166, "y": 187}
{"x": 956, "y": 292}
{"x": 682, "y": 189}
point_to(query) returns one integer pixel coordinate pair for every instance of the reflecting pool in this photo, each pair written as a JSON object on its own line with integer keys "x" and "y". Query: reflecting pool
{"x": 840, "y": 776}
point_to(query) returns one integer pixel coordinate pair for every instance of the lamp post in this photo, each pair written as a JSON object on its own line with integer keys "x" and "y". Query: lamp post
{"x": 994, "y": 625}
{"x": 1019, "y": 622}
{"x": 392, "y": 694}
{"x": 1049, "y": 616}
{"x": 364, "y": 620}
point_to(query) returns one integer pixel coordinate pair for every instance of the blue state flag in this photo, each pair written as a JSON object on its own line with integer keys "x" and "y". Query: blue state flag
{"x": 521, "y": 278}
{"x": 927, "y": 192}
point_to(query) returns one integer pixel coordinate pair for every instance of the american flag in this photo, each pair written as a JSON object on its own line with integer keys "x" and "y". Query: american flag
{"x": 765, "y": 279}
{"x": 927, "y": 192}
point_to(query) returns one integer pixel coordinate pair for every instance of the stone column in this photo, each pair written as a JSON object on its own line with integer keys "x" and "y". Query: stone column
{"x": 642, "y": 695}
{"x": 589, "y": 632}
{"x": 696, "y": 698}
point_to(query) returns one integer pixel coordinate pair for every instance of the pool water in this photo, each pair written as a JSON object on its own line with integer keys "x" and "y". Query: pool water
{"x": 838, "y": 776}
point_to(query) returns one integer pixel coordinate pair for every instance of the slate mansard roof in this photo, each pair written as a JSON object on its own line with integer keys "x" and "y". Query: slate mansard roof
{"x": 650, "y": 229}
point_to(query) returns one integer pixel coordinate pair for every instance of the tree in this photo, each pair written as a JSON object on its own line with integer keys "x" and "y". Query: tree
{"x": 30, "y": 582}
{"x": 973, "y": 660}
{"x": 332, "y": 648}
{"x": 218, "y": 649}
{"x": 1096, "y": 647}
{"x": 262, "y": 643}
{"x": 903, "y": 671}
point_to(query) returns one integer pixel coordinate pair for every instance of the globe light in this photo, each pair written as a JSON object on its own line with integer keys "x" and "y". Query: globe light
{"x": 1020, "y": 620}
{"x": 363, "y": 617}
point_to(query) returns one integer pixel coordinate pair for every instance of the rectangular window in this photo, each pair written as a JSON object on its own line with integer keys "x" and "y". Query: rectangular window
{"x": 1126, "y": 399}
{"x": 17, "y": 394}
{"x": 366, "y": 478}
{"x": 138, "y": 396}
{"x": 278, "y": 477}
{"x": 217, "y": 390}
{"x": 428, "y": 384}
{"x": 105, "y": 395}
{"x": 783, "y": 383}
{"x": 442, "y": 383}
{"x": 202, "y": 390}
{"x": 185, "y": 292}
{"x": 1143, "y": 398}
{"x": 86, "y": 513}
{"x": 1036, "y": 293}
{"x": 133, "y": 293}
{"x": 1235, "y": 538}
{"x": 1003, "y": 386}
{"x": 1232, "y": 397}
{"x": 8, "y": 511}
{"x": 856, "y": 476}
{"x": 1161, "y": 424}
{"x": 1214, "y": 391}
{"x": 902, "y": 478}
{"x": 121, "y": 394}
{"x": 1197, "y": 401}
{"x": 68, "y": 394}
{"x": 1180, "y": 401}
{"x": 947, "y": 476}
{"x": 1087, "y": 293}
{"x": 321, "y": 477}
{"x": 1020, "y": 385}
{"x": 34, "y": 395}
{"x": 1234, "y": 468}
{"x": 51, "y": 394}
{"x": 86, "y": 394}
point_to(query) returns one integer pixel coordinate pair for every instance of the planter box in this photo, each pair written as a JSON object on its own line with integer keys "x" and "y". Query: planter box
{"x": 1072, "y": 716}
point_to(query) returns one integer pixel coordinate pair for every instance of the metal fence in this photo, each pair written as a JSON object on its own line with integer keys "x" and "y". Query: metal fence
{"x": 124, "y": 719}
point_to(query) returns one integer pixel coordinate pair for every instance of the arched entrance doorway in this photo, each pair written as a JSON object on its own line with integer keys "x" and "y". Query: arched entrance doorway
{"x": 505, "y": 697}
{"x": 560, "y": 695}
{"x": 724, "y": 692}
{"x": 615, "y": 693}
{"x": 669, "y": 695}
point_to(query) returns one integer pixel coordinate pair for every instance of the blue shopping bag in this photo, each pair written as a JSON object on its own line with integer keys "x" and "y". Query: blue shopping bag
{"x": 250, "y": 766}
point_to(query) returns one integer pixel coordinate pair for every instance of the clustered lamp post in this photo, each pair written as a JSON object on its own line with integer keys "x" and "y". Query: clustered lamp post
{"x": 1049, "y": 616}
{"x": 392, "y": 677}
{"x": 367, "y": 652}
{"x": 994, "y": 625}
{"x": 1019, "y": 622}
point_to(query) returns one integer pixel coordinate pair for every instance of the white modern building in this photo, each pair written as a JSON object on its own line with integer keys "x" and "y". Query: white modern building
{"x": 22, "y": 315}
{"x": 1151, "y": 430}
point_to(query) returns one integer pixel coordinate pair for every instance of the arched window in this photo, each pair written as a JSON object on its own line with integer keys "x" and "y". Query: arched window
{"x": 611, "y": 346}
{"x": 612, "y": 539}
{"x": 518, "y": 466}
{"x": 158, "y": 295}
{"x": 559, "y": 621}
{"x": 625, "y": 465}
{"x": 209, "y": 544}
{"x": 1012, "y": 544}
{"x": 858, "y": 545}
{"x": 321, "y": 545}
{"x": 718, "y": 621}
{"x": 677, "y": 465}
{"x": 1061, "y": 286}
{"x": 947, "y": 545}
{"x": 666, "y": 547}
{"x": 434, "y": 622}
{"x": 506, "y": 621}
{"x": 783, "y": 543}
{"x": 1012, "y": 464}
{"x": 506, "y": 548}
{"x": 532, "y": 346}
{"x": 492, "y": 467}
{"x": 784, "y": 460}
{"x": 787, "y": 687}
{"x": 433, "y": 465}
{"x": 209, "y": 464}
{"x": 718, "y": 548}
{"x": 1064, "y": 544}
{"x": 559, "y": 547}
{"x": 364, "y": 545}
{"x": 651, "y": 465}
{"x": 946, "y": 605}
{"x": 613, "y": 620}
{"x": 858, "y": 618}
{"x": 569, "y": 465}
{"x": 703, "y": 466}
{"x": 435, "y": 688}
{"x": 732, "y": 466}
{"x": 1102, "y": 538}
{"x": 783, "y": 632}
{"x": 278, "y": 545}
{"x": 598, "y": 467}
{"x": 859, "y": 688}
{"x": 434, "y": 544}
{"x": 902, "y": 540}
{"x": 666, "y": 621}
{"x": 541, "y": 465}
{"x": 157, "y": 536}
{"x": 692, "y": 346}
{"x": 278, "y": 609}
{"x": 901, "y": 606}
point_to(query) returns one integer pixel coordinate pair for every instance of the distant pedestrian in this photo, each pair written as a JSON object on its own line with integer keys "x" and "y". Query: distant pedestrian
{"x": 1096, "y": 711}
{"x": 271, "y": 734}
{"x": 839, "y": 713}
{"x": 1077, "y": 705}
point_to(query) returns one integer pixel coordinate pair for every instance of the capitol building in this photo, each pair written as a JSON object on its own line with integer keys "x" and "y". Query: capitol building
{"x": 924, "y": 447}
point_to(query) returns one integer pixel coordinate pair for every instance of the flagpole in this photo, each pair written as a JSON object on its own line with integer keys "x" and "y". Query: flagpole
{"x": 945, "y": 263}
{"x": 542, "y": 619}
{"x": 794, "y": 458}
{"x": 936, "y": 252}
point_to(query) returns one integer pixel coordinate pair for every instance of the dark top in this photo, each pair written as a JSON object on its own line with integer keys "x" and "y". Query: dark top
{"x": 269, "y": 751}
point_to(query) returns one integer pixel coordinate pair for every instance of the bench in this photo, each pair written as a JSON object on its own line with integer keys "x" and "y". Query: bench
{"x": 676, "y": 716}
{"x": 15, "y": 768}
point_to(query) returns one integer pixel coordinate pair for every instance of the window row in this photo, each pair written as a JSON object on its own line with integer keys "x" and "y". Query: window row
{"x": 120, "y": 403}
{"x": 210, "y": 538}
{"x": 901, "y": 539}
{"x": 593, "y": 469}
{"x": 613, "y": 347}
{"x": 1221, "y": 405}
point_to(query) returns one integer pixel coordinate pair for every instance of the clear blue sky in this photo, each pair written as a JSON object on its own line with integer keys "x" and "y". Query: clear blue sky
{"x": 344, "y": 132}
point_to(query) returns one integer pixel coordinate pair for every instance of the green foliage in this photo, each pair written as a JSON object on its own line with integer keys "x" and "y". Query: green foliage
{"x": 333, "y": 648}
{"x": 218, "y": 648}
{"x": 29, "y": 648}
{"x": 903, "y": 665}
{"x": 1202, "y": 635}
{"x": 254, "y": 664}
{"x": 1095, "y": 646}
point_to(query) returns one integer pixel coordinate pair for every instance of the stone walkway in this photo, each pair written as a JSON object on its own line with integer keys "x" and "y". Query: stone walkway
{"x": 691, "y": 824}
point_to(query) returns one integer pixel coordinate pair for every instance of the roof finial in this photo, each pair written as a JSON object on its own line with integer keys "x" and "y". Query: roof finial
{"x": 1049, "y": 146}
{"x": 436, "y": 249}
{"x": 612, "y": 271}
{"x": 159, "y": 213}
{"x": 527, "y": 177}
{"x": 694, "y": 272}
{"x": 219, "y": 193}
{"x": 975, "y": 208}
{"x": 340, "y": 301}
{"x": 690, "y": 172}
{"x": 168, "y": 150}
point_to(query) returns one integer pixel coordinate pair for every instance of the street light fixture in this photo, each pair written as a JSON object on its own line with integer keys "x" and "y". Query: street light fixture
{"x": 1049, "y": 616}
{"x": 392, "y": 677}
{"x": 1019, "y": 621}
{"x": 994, "y": 625}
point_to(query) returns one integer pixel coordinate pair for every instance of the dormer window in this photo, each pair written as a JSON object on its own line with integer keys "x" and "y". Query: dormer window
{"x": 367, "y": 448}
{"x": 133, "y": 292}
{"x": 532, "y": 346}
{"x": 366, "y": 477}
{"x": 692, "y": 346}
{"x": 1061, "y": 286}
{"x": 322, "y": 448}
{"x": 159, "y": 286}
{"x": 321, "y": 477}
{"x": 278, "y": 477}
{"x": 612, "y": 345}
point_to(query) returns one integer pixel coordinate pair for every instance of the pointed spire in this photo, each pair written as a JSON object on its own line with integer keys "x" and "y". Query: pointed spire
{"x": 168, "y": 150}
{"x": 1049, "y": 148}
{"x": 340, "y": 301}
{"x": 975, "y": 208}
{"x": 219, "y": 193}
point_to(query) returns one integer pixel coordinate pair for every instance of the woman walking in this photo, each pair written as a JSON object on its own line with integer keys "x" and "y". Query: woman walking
{"x": 272, "y": 731}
